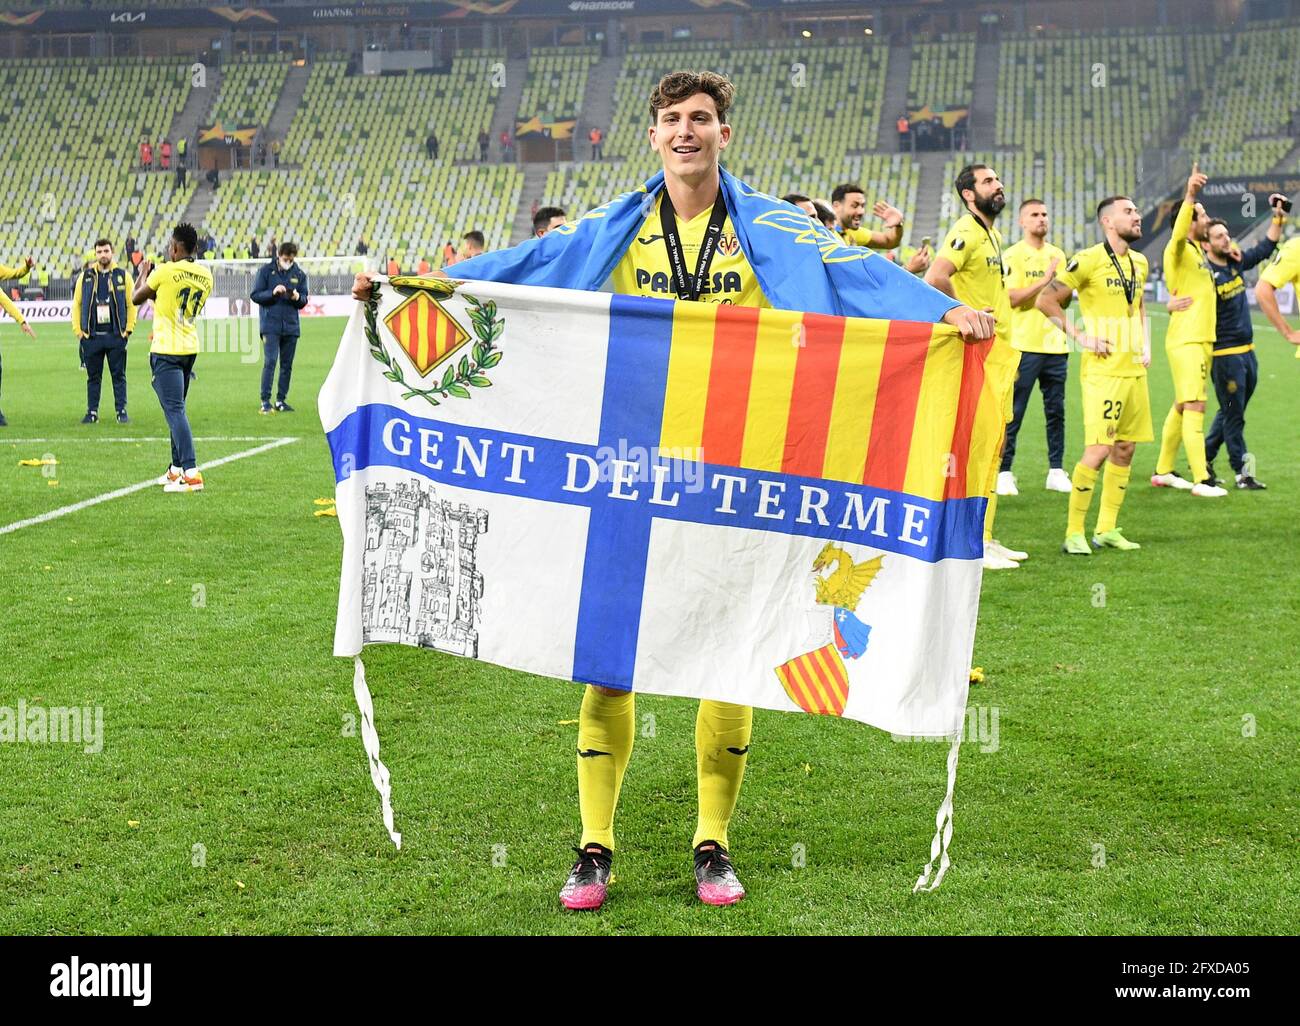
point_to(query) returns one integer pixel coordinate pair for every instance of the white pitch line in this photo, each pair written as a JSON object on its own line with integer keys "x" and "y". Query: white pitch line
{"x": 147, "y": 438}
{"x": 129, "y": 489}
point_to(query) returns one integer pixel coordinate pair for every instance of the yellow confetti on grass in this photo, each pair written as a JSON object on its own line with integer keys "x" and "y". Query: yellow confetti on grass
{"x": 331, "y": 512}
{"x": 53, "y": 482}
{"x": 323, "y": 502}
{"x": 133, "y": 823}
{"x": 566, "y": 723}
{"x": 239, "y": 884}
{"x": 977, "y": 675}
{"x": 38, "y": 463}
{"x": 807, "y": 769}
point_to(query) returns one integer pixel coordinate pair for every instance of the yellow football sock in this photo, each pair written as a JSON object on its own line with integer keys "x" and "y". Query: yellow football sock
{"x": 721, "y": 742}
{"x": 990, "y": 511}
{"x": 1084, "y": 478}
{"x": 1194, "y": 443}
{"x": 1113, "y": 487}
{"x": 1170, "y": 437}
{"x": 606, "y": 730}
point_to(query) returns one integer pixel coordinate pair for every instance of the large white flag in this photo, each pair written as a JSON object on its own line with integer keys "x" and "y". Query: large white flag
{"x": 760, "y": 507}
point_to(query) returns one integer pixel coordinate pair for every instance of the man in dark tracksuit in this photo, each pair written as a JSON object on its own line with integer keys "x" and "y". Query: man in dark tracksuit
{"x": 281, "y": 291}
{"x": 1235, "y": 370}
{"x": 103, "y": 318}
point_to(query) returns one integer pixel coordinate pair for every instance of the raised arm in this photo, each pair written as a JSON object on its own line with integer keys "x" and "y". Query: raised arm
{"x": 143, "y": 290}
{"x": 890, "y": 236}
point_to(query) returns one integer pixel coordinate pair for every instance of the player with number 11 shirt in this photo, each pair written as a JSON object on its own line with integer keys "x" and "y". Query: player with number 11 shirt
{"x": 178, "y": 288}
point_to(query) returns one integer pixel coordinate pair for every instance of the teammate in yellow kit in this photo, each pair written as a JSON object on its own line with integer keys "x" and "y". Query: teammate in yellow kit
{"x": 7, "y": 274}
{"x": 1031, "y": 266}
{"x": 849, "y": 204}
{"x": 179, "y": 288}
{"x": 1113, "y": 371}
{"x": 968, "y": 267}
{"x": 1189, "y": 344}
{"x": 1284, "y": 268}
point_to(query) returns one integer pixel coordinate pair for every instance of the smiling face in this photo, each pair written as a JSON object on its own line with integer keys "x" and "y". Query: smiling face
{"x": 850, "y": 209}
{"x": 689, "y": 136}
{"x": 1220, "y": 240}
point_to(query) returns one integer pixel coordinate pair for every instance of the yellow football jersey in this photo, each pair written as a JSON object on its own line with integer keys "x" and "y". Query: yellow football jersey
{"x": 1031, "y": 331}
{"x": 1187, "y": 273}
{"x": 1285, "y": 265}
{"x": 7, "y": 273}
{"x": 644, "y": 269}
{"x": 856, "y": 237}
{"x": 181, "y": 288}
{"x": 976, "y": 254}
{"x": 1107, "y": 312}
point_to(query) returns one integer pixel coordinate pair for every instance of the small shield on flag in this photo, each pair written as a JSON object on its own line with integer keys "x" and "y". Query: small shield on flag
{"x": 425, "y": 329}
{"x": 817, "y": 681}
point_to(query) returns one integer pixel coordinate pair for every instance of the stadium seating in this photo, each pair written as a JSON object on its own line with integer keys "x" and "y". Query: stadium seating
{"x": 355, "y": 165}
{"x": 1243, "y": 123}
{"x": 557, "y": 78}
{"x": 249, "y": 87}
{"x": 802, "y": 116}
{"x": 1079, "y": 114}
{"x": 1116, "y": 90}
{"x": 79, "y": 180}
{"x": 942, "y": 73}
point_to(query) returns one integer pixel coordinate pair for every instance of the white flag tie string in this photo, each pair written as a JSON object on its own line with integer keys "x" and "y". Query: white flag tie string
{"x": 370, "y": 739}
{"x": 942, "y": 828}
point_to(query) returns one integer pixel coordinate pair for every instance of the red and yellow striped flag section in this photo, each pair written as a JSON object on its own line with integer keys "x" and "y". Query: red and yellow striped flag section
{"x": 425, "y": 330}
{"x": 817, "y": 681}
{"x": 890, "y": 404}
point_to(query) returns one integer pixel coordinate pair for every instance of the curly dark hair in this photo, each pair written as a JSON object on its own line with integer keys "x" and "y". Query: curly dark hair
{"x": 187, "y": 236}
{"x": 677, "y": 86}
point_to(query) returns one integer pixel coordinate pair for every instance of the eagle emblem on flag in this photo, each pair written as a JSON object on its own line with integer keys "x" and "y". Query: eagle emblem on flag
{"x": 430, "y": 335}
{"x": 818, "y": 681}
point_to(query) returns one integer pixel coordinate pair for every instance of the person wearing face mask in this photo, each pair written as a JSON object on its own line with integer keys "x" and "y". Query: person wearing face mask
{"x": 281, "y": 291}
{"x": 103, "y": 318}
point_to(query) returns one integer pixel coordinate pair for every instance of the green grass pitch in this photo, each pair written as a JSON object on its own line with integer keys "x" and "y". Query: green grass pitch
{"x": 1143, "y": 779}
